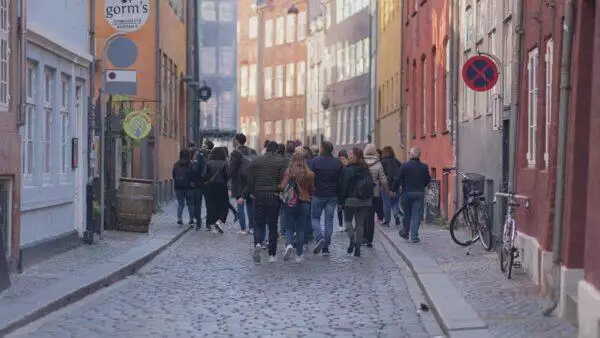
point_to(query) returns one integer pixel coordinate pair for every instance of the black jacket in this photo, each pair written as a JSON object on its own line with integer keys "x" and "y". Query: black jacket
{"x": 414, "y": 176}
{"x": 220, "y": 168}
{"x": 327, "y": 171}
{"x": 392, "y": 166}
{"x": 197, "y": 171}
{"x": 265, "y": 174}
{"x": 235, "y": 166}
{"x": 185, "y": 181}
{"x": 347, "y": 181}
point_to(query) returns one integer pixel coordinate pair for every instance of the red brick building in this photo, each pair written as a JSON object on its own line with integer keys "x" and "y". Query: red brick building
{"x": 537, "y": 157}
{"x": 425, "y": 33}
{"x": 279, "y": 114}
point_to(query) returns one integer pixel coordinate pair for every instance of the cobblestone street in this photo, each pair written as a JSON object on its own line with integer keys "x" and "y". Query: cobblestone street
{"x": 207, "y": 285}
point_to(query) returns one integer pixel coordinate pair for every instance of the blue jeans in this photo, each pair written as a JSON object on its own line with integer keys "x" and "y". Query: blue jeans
{"x": 413, "y": 203}
{"x": 318, "y": 205}
{"x": 249, "y": 204}
{"x": 391, "y": 205}
{"x": 185, "y": 197}
{"x": 297, "y": 219}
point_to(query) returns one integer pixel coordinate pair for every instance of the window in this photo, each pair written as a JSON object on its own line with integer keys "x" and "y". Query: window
{"x": 289, "y": 129}
{"x": 65, "y": 84}
{"x": 252, "y": 81}
{"x": 300, "y": 129}
{"x": 359, "y": 58}
{"x": 339, "y": 11}
{"x": 244, "y": 81}
{"x": 338, "y": 132}
{"x": 279, "y": 81}
{"x": 300, "y": 81}
{"x": 268, "y": 126}
{"x": 48, "y": 114}
{"x": 253, "y": 27}
{"x": 508, "y": 61}
{"x": 352, "y": 60}
{"x": 209, "y": 11}
{"x": 327, "y": 15}
{"x": 278, "y": 131}
{"x": 279, "y": 30}
{"x": 290, "y": 33}
{"x": 508, "y": 7}
{"x": 434, "y": 95}
{"x": 268, "y": 83}
{"x": 302, "y": 25}
{"x": 289, "y": 79}
{"x": 480, "y": 19}
{"x": 268, "y": 33}
{"x": 4, "y": 53}
{"x": 340, "y": 62}
{"x": 347, "y": 61}
{"x": 360, "y": 112}
{"x": 532, "y": 91}
{"x": 468, "y": 27}
{"x": 345, "y": 126}
{"x": 493, "y": 14}
{"x": 549, "y": 58}
{"x": 424, "y": 97}
{"x": 351, "y": 118}
{"x": 226, "y": 11}
{"x": 28, "y": 131}
{"x": 366, "y": 54}
{"x": 447, "y": 84}
{"x": 367, "y": 122}
{"x": 491, "y": 94}
{"x": 347, "y": 4}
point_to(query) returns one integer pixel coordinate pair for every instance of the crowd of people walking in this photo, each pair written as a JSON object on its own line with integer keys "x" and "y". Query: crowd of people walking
{"x": 293, "y": 191}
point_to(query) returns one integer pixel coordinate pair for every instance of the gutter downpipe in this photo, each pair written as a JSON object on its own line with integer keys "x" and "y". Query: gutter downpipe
{"x": 515, "y": 94}
{"x": 561, "y": 157}
{"x": 401, "y": 116}
{"x": 158, "y": 121}
{"x": 189, "y": 70}
{"x": 454, "y": 75}
{"x": 260, "y": 71}
{"x": 88, "y": 235}
{"x": 196, "y": 102}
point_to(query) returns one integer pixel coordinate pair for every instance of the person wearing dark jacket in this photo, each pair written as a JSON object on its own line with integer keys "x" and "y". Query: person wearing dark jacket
{"x": 182, "y": 178}
{"x": 355, "y": 208}
{"x": 264, "y": 177}
{"x": 414, "y": 178}
{"x": 391, "y": 167}
{"x": 198, "y": 167}
{"x": 239, "y": 180}
{"x": 217, "y": 196}
{"x": 343, "y": 157}
{"x": 327, "y": 169}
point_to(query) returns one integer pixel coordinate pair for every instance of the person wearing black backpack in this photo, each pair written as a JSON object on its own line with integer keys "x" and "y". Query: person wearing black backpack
{"x": 355, "y": 198}
{"x": 239, "y": 164}
{"x": 182, "y": 178}
{"x": 217, "y": 196}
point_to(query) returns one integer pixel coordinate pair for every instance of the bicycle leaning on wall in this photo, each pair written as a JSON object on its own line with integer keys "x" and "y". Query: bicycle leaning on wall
{"x": 471, "y": 220}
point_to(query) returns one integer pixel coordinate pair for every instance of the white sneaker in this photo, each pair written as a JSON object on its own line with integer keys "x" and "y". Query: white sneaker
{"x": 242, "y": 232}
{"x": 299, "y": 259}
{"x": 288, "y": 253}
{"x": 256, "y": 253}
{"x": 272, "y": 259}
{"x": 219, "y": 226}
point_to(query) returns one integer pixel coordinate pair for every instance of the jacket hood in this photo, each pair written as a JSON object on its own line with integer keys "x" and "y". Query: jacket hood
{"x": 244, "y": 150}
{"x": 372, "y": 159}
{"x": 370, "y": 150}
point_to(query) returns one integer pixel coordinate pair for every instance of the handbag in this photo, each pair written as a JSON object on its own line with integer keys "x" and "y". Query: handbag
{"x": 211, "y": 180}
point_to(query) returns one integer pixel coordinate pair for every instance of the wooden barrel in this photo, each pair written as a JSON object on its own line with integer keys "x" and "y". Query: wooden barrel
{"x": 135, "y": 204}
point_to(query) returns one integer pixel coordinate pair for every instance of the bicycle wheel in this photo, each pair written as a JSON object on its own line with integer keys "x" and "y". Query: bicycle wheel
{"x": 507, "y": 253}
{"x": 461, "y": 228}
{"x": 483, "y": 228}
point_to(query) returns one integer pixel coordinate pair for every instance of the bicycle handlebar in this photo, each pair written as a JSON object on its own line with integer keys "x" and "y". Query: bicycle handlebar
{"x": 511, "y": 195}
{"x": 446, "y": 171}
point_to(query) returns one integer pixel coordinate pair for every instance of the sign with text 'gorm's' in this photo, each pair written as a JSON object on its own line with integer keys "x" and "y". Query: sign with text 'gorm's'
{"x": 126, "y": 15}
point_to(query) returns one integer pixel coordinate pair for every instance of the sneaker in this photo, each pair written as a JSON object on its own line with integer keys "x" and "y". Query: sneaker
{"x": 369, "y": 245}
{"x": 288, "y": 252}
{"x": 242, "y": 232}
{"x": 180, "y": 222}
{"x": 191, "y": 222}
{"x": 250, "y": 232}
{"x": 403, "y": 235}
{"x": 341, "y": 229}
{"x": 325, "y": 251}
{"x": 350, "y": 248}
{"x": 219, "y": 226}
{"x": 256, "y": 253}
{"x": 272, "y": 259}
{"x": 318, "y": 247}
{"x": 299, "y": 259}
{"x": 397, "y": 219}
{"x": 415, "y": 240}
{"x": 198, "y": 227}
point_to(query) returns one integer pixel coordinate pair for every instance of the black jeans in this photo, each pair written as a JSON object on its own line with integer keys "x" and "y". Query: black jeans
{"x": 198, "y": 193}
{"x": 369, "y": 226}
{"x": 378, "y": 206}
{"x": 360, "y": 216}
{"x": 217, "y": 203}
{"x": 266, "y": 212}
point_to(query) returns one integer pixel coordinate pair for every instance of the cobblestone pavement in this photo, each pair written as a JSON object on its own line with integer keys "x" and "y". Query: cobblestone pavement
{"x": 511, "y": 308}
{"x": 85, "y": 257}
{"x": 206, "y": 285}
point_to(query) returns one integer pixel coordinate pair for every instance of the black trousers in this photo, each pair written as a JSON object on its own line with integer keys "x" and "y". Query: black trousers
{"x": 378, "y": 206}
{"x": 217, "y": 203}
{"x": 266, "y": 212}
{"x": 198, "y": 194}
{"x": 369, "y": 226}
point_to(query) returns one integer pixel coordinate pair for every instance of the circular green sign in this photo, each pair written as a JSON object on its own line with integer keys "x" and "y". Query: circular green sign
{"x": 137, "y": 125}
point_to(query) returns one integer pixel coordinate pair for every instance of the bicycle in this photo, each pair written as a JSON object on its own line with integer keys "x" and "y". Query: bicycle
{"x": 509, "y": 252}
{"x": 473, "y": 211}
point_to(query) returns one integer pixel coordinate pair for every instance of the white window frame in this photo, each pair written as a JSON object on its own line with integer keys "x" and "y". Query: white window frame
{"x": 290, "y": 78}
{"x": 352, "y": 60}
{"x": 4, "y": 54}
{"x": 289, "y": 128}
{"x": 290, "y": 31}
{"x": 268, "y": 33}
{"x": 532, "y": 94}
{"x": 49, "y": 92}
{"x": 360, "y": 69}
{"x": 252, "y": 80}
{"x": 65, "y": 115}
{"x": 268, "y": 85}
{"x": 302, "y": 26}
{"x": 279, "y": 81}
{"x": 367, "y": 54}
{"x": 340, "y": 62}
{"x": 301, "y": 78}
{"x": 300, "y": 129}
{"x": 278, "y": 131}
{"x": 328, "y": 15}
{"x": 351, "y": 125}
{"x": 360, "y": 115}
{"x": 479, "y": 19}
{"x": 268, "y": 127}
{"x": 29, "y": 129}
{"x": 549, "y": 58}
{"x": 279, "y": 30}
{"x": 244, "y": 81}
{"x": 253, "y": 27}
{"x": 347, "y": 61}
{"x": 345, "y": 126}
{"x": 493, "y": 14}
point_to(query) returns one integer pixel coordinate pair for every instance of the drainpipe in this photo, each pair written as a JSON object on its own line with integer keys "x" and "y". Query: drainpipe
{"x": 401, "y": 111}
{"x": 561, "y": 157}
{"x": 454, "y": 94}
{"x": 515, "y": 94}
{"x": 158, "y": 123}
{"x": 189, "y": 65}
{"x": 196, "y": 102}
{"x": 88, "y": 235}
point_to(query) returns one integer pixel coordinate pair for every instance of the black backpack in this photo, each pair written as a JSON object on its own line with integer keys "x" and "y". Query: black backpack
{"x": 246, "y": 163}
{"x": 181, "y": 174}
{"x": 364, "y": 186}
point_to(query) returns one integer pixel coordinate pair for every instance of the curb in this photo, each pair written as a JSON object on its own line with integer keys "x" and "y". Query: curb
{"x": 455, "y": 315}
{"x": 68, "y": 292}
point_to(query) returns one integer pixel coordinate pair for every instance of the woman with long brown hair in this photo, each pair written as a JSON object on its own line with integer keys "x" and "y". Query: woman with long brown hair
{"x": 356, "y": 198}
{"x": 297, "y": 185}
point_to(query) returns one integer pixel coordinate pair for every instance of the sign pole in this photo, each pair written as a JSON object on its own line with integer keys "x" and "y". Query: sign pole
{"x": 103, "y": 132}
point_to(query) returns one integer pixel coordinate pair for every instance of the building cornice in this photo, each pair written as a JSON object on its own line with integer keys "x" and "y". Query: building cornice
{"x": 37, "y": 36}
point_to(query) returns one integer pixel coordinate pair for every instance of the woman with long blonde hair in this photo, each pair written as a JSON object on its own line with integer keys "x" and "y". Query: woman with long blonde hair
{"x": 297, "y": 185}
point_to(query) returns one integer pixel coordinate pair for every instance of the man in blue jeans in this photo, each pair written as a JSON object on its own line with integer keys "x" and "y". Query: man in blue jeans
{"x": 327, "y": 169}
{"x": 239, "y": 164}
{"x": 414, "y": 178}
